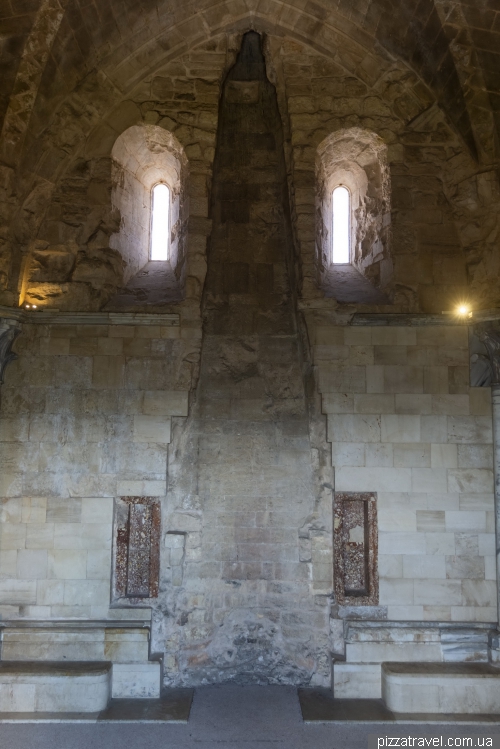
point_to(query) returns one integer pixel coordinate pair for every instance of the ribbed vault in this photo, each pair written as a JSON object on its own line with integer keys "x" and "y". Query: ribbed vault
{"x": 127, "y": 40}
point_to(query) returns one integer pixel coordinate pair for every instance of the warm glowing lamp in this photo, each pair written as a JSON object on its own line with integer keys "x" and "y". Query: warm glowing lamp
{"x": 463, "y": 310}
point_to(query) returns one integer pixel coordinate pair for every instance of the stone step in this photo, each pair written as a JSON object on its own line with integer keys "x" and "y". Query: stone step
{"x": 441, "y": 687}
{"x": 54, "y": 686}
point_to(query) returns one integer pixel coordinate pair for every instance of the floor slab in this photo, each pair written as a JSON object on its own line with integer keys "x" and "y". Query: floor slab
{"x": 318, "y": 706}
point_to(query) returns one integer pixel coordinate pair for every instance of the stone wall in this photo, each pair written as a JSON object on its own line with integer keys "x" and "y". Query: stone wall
{"x": 85, "y": 417}
{"x": 403, "y": 422}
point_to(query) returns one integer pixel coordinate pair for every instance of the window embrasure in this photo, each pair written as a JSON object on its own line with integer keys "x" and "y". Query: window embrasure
{"x": 353, "y": 207}
{"x": 160, "y": 222}
{"x": 149, "y": 172}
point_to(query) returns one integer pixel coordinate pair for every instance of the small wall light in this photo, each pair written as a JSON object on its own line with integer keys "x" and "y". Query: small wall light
{"x": 463, "y": 310}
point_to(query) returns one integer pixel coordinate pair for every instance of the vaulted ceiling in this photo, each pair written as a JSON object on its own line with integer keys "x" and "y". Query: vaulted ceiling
{"x": 48, "y": 47}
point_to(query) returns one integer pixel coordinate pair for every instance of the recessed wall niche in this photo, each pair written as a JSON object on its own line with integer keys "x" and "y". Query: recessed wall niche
{"x": 356, "y": 548}
{"x": 356, "y": 159}
{"x": 142, "y": 157}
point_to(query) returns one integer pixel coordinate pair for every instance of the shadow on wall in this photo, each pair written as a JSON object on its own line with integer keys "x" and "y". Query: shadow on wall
{"x": 142, "y": 157}
{"x": 356, "y": 159}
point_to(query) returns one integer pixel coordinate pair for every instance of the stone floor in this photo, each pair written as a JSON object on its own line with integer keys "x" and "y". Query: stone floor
{"x": 229, "y": 717}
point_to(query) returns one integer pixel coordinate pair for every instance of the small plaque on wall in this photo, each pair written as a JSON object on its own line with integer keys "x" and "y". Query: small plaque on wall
{"x": 136, "y": 550}
{"x": 356, "y": 548}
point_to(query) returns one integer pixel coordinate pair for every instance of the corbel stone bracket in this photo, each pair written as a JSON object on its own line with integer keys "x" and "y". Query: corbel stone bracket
{"x": 9, "y": 330}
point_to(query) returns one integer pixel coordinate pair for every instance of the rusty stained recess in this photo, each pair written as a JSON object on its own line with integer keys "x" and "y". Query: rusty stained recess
{"x": 137, "y": 549}
{"x": 356, "y": 548}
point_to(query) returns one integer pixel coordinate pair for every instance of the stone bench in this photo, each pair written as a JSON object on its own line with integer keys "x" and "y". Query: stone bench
{"x": 441, "y": 687}
{"x": 125, "y": 645}
{"x": 54, "y": 686}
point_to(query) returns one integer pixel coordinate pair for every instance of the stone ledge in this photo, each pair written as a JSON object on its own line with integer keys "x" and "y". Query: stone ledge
{"x": 54, "y": 317}
{"x": 75, "y": 624}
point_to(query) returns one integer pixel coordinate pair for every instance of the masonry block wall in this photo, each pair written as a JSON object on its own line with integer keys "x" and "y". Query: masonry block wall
{"x": 85, "y": 417}
{"x": 403, "y": 422}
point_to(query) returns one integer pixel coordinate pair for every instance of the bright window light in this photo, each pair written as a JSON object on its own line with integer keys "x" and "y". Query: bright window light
{"x": 160, "y": 220}
{"x": 341, "y": 225}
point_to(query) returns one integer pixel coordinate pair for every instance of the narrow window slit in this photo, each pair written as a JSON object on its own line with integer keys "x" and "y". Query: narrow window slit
{"x": 341, "y": 228}
{"x": 160, "y": 222}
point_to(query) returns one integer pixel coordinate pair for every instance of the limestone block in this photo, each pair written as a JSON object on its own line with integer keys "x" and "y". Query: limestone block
{"x": 444, "y": 456}
{"x": 468, "y": 567}
{"x": 434, "y": 429}
{"x": 395, "y": 591}
{"x": 372, "y": 479}
{"x": 8, "y": 564}
{"x": 11, "y": 484}
{"x": 482, "y": 593}
{"x": 136, "y": 680}
{"x": 413, "y": 403}
{"x": 357, "y": 336}
{"x": 34, "y": 510}
{"x": 430, "y": 480}
{"x": 67, "y": 564}
{"x": 400, "y": 428}
{"x": 480, "y": 401}
{"x": 379, "y": 652}
{"x": 431, "y": 521}
{"x": 440, "y": 543}
{"x": 486, "y": 542}
{"x": 12, "y": 536}
{"x": 401, "y": 543}
{"x": 49, "y": 592}
{"x": 405, "y": 613}
{"x": 126, "y": 645}
{"x": 374, "y": 379}
{"x": 52, "y": 645}
{"x": 334, "y": 379}
{"x": 372, "y": 403}
{"x": 390, "y": 565}
{"x": 417, "y": 566}
{"x": 108, "y": 371}
{"x": 17, "y": 698}
{"x": 99, "y": 564}
{"x": 475, "y": 429}
{"x": 436, "y": 379}
{"x": 465, "y": 521}
{"x": 141, "y": 488}
{"x": 450, "y": 405}
{"x": 18, "y": 592}
{"x": 97, "y": 510}
{"x": 397, "y": 519}
{"x": 412, "y": 455}
{"x": 438, "y": 592}
{"x": 403, "y": 379}
{"x": 337, "y": 403}
{"x": 475, "y": 456}
{"x": 151, "y": 429}
{"x": 14, "y": 428}
{"x": 379, "y": 454}
{"x": 470, "y": 480}
{"x": 348, "y": 454}
{"x": 10, "y": 510}
{"x": 165, "y": 403}
{"x": 441, "y": 688}
{"x": 353, "y": 428}
{"x": 31, "y": 564}
{"x": 86, "y": 593}
{"x": 356, "y": 681}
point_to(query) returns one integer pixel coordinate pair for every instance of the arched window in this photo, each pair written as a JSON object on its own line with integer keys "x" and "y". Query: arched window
{"x": 160, "y": 222}
{"x": 341, "y": 225}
